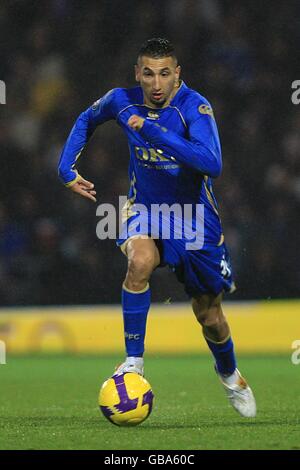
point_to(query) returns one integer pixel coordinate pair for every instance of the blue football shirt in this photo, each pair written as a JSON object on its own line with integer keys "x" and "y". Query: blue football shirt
{"x": 173, "y": 158}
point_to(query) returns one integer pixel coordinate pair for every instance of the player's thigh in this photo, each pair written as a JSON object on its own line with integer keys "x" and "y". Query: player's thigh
{"x": 207, "y": 306}
{"x": 142, "y": 252}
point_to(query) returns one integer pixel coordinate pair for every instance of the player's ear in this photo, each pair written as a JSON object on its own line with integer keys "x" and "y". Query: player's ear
{"x": 137, "y": 72}
{"x": 177, "y": 72}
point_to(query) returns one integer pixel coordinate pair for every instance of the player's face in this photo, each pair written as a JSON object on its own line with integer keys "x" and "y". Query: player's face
{"x": 159, "y": 79}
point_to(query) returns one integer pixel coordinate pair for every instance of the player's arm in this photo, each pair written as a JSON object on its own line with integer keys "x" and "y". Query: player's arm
{"x": 101, "y": 111}
{"x": 201, "y": 151}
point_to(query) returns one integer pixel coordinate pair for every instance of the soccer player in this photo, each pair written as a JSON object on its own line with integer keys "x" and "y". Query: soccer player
{"x": 174, "y": 155}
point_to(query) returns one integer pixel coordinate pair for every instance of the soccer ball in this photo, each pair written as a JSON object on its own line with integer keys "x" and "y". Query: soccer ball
{"x": 126, "y": 399}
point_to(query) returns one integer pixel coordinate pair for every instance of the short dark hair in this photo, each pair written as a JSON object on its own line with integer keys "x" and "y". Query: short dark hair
{"x": 157, "y": 48}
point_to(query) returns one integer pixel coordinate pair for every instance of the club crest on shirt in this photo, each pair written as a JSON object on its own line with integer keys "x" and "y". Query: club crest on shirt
{"x": 205, "y": 109}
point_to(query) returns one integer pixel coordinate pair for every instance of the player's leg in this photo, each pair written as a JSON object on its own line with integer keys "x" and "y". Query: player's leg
{"x": 143, "y": 257}
{"x": 216, "y": 331}
{"x": 208, "y": 311}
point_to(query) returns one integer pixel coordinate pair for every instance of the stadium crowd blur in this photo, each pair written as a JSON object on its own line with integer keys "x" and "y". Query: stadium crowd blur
{"x": 58, "y": 56}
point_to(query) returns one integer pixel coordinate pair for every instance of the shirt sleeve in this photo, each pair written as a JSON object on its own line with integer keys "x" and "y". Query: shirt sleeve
{"x": 101, "y": 111}
{"x": 201, "y": 151}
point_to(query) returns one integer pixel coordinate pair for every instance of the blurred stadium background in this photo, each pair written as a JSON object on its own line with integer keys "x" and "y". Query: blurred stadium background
{"x": 56, "y": 58}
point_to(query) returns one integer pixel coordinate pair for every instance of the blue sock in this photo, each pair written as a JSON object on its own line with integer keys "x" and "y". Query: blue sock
{"x": 224, "y": 356}
{"x": 135, "y": 310}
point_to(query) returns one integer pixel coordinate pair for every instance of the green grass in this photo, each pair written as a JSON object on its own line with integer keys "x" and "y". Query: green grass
{"x": 51, "y": 403}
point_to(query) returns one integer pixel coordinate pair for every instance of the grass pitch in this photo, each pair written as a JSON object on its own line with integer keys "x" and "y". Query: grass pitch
{"x": 51, "y": 403}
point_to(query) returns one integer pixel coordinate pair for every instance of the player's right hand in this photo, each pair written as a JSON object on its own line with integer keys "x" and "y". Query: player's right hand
{"x": 84, "y": 188}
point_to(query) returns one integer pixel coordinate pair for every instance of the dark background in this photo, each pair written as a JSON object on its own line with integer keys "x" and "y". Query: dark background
{"x": 58, "y": 56}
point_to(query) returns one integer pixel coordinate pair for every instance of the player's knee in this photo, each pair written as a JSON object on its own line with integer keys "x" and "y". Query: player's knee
{"x": 141, "y": 264}
{"x": 208, "y": 310}
{"x": 202, "y": 315}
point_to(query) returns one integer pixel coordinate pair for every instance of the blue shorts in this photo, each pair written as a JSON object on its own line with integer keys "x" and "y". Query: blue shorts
{"x": 202, "y": 271}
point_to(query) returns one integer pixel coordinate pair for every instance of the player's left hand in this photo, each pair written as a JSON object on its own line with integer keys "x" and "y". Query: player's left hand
{"x": 135, "y": 122}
